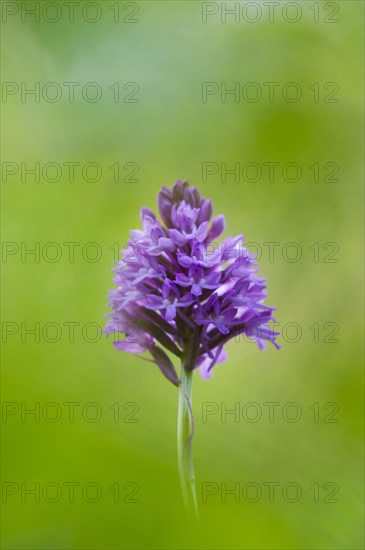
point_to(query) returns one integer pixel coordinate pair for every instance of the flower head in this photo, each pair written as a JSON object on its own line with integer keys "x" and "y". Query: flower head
{"x": 181, "y": 292}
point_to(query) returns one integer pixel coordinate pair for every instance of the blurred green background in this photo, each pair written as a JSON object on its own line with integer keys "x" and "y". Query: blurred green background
{"x": 168, "y": 52}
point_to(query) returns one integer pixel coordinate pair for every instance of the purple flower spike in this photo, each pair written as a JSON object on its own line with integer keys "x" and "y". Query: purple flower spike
{"x": 179, "y": 291}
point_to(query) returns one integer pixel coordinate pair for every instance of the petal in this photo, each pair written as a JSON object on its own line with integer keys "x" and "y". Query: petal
{"x": 170, "y": 312}
{"x": 130, "y": 347}
{"x": 184, "y": 261}
{"x": 166, "y": 244}
{"x": 178, "y": 190}
{"x": 182, "y": 280}
{"x": 204, "y": 369}
{"x": 261, "y": 344}
{"x": 147, "y": 214}
{"x": 202, "y": 231}
{"x": 213, "y": 278}
{"x": 196, "y": 290}
{"x": 177, "y": 237}
{"x": 154, "y": 302}
{"x": 217, "y": 227}
{"x": 196, "y": 271}
{"x": 206, "y": 211}
{"x": 222, "y": 328}
{"x": 186, "y": 300}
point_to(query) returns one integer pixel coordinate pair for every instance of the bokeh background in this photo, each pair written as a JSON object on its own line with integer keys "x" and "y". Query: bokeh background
{"x": 168, "y": 52}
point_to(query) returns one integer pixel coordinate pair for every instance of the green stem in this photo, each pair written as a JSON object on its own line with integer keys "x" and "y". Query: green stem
{"x": 184, "y": 440}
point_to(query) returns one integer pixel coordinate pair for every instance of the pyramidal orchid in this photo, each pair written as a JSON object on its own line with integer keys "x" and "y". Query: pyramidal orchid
{"x": 180, "y": 292}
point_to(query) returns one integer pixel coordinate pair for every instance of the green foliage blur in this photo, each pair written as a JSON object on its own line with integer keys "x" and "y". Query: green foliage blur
{"x": 311, "y": 435}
